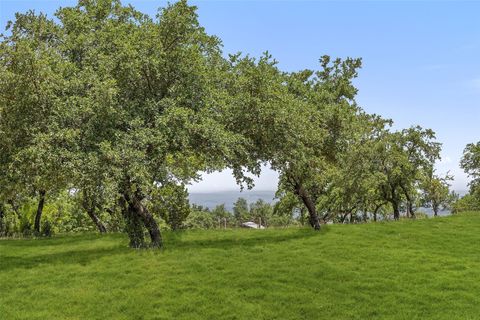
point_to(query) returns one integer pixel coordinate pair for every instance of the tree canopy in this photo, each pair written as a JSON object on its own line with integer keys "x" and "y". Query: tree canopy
{"x": 121, "y": 111}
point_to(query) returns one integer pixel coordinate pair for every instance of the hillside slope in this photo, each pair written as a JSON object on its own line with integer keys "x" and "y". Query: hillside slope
{"x": 424, "y": 269}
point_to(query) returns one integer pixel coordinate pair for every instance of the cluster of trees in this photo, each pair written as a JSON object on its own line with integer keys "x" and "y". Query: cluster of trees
{"x": 120, "y": 111}
{"x": 260, "y": 212}
{"x": 470, "y": 163}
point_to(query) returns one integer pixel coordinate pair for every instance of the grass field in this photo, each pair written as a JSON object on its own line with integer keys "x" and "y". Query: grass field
{"x": 424, "y": 269}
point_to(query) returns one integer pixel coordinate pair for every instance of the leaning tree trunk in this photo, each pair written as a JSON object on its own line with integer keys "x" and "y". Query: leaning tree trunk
{"x": 148, "y": 221}
{"x": 96, "y": 220}
{"x": 38, "y": 215}
{"x": 312, "y": 211}
{"x": 89, "y": 206}
{"x": 133, "y": 225}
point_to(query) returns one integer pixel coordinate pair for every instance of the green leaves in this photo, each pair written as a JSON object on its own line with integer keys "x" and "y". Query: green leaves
{"x": 127, "y": 109}
{"x": 470, "y": 163}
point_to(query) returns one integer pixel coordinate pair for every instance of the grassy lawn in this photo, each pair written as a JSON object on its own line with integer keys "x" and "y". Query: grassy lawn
{"x": 424, "y": 269}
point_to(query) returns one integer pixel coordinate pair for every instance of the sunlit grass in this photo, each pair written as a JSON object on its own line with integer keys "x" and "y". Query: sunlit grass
{"x": 424, "y": 269}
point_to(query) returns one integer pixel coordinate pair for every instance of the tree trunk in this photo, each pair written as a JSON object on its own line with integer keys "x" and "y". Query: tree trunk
{"x": 396, "y": 210}
{"x": 376, "y": 211}
{"x": 312, "y": 211}
{"x": 149, "y": 222}
{"x": 133, "y": 225}
{"x": 96, "y": 220}
{"x": 435, "y": 211}
{"x": 38, "y": 215}
{"x": 3, "y": 231}
{"x": 410, "y": 210}
{"x": 89, "y": 206}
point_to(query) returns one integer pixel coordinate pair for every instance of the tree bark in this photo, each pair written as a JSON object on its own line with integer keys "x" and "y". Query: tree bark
{"x": 435, "y": 210}
{"x": 96, "y": 220}
{"x": 133, "y": 225}
{"x": 410, "y": 210}
{"x": 149, "y": 222}
{"x": 2, "y": 215}
{"x": 310, "y": 205}
{"x": 396, "y": 210}
{"x": 89, "y": 206}
{"x": 375, "y": 212}
{"x": 38, "y": 215}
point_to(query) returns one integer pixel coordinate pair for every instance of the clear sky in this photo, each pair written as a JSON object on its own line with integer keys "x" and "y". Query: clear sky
{"x": 421, "y": 60}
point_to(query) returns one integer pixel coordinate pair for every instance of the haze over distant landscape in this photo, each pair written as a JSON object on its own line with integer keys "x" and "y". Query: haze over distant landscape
{"x": 420, "y": 61}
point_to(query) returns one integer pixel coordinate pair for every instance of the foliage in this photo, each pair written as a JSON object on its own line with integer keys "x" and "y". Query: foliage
{"x": 108, "y": 112}
{"x": 261, "y": 212}
{"x": 470, "y": 163}
{"x": 170, "y": 202}
{"x": 221, "y": 216}
{"x": 199, "y": 218}
{"x": 436, "y": 192}
{"x": 466, "y": 203}
{"x": 240, "y": 210}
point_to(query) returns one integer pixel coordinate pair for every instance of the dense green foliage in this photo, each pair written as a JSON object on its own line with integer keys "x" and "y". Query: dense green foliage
{"x": 424, "y": 269}
{"x": 466, "y": 203}
{"x": 471, "y": 165}
{"x": 115, "y": 112}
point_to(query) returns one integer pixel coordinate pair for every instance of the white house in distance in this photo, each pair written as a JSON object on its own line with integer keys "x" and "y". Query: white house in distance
{"x": 252, "y": 225}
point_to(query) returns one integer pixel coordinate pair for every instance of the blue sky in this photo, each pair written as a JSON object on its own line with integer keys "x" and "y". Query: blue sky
{"x": 421, "y": 60}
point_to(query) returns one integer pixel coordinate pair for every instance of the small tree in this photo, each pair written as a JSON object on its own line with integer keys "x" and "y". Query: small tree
{"x": 470, "y": 163}
{"x": 171, "y": 203}
{"x": 199, "y": 218}
{"x": 240, "y": 210}
{"x": 261, "y": 212}
{"x": 221, "y": 216}
{"x": 436, "y": 191}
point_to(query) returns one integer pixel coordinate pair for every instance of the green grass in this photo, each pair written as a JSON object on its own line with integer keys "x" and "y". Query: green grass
{"x": 424, "y": 269}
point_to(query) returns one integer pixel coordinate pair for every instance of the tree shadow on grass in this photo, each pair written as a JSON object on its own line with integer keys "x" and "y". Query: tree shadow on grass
{"x": 179, "y": 241}
{"x": 81, "y": 257}
{"x": 56, "y": 240}
{"x": 182, "y": 241}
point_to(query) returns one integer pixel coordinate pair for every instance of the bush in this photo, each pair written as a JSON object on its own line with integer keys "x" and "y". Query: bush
{"x": 200, "y": 220}
{"x": 47, "y": 230}
{"x": 26, "y": 228}
{"x": 466, "y": 203}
